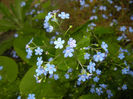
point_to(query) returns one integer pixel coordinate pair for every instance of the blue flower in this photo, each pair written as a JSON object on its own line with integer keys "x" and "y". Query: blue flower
{"x": 123, "y": 28}
{"x": 50, "y": 68}
{"x": 102, "y": 8}
{"x": 98, "y": 72}
{"x": 109, "y": 93}
{"x": 19, "y": 97}
{"x": 93, "y": 17}
{"x": 99, "y": 91}
{"x": 96, "y": 79}
{"x": 22, "y": 4}
{"x": 70, "y": 70}
{"x": 86, "y": 56}
{"x": 118, "y": 8}
{"x": 51, "y": 75}
{"x": 56, "y": 77}
{"x": 49, "y": 29}
{"x": 131, "y": 17}
{"x": 72, "y": 42}
{"x": 104, "y": 16}
{"x": 38, "y": 51}
{"x": 63, "y": 15}
{"x": 66, "y": 76}
{"x": 124, "y": 87}
{"x": 40, "y": 71}
{"x": 16, "y": 35}
{"x": 125, "y": 70}
{"x": 121, "y": 56}
{"x": 104, "y": 46}
{"x": 0, "y": 77}
{"x": 29, "y": 53}
{"x": 83, "y": 77}
{"x": 130, "y": 73}
{"x": 1, "y": 67}
{"x": 50, "y": 59}
{"x": 99, "y": 57}
{"x": 103, "y": 85}
{"x": 59, "y": 43}
{"x": 39, "y": 61}
{"x": 31, "y": 96}
{"x": 131, "y": 29}
{"x": 91, "y": 67}
{"x": 110, "y": 1}
{"x": 68, "y": 52}
{"x": 82, "y": 2}
{"x": 92, "y": 90}
{"x": 78, "y": 82}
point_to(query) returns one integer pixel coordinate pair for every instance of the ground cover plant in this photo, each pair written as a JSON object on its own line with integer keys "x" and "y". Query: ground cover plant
{"x": 45, "y": 54}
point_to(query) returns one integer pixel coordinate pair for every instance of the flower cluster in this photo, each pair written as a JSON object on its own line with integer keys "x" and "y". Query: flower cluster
{"x": 52, "y": 17}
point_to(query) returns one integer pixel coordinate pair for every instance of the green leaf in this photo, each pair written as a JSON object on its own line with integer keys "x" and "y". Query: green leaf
{"x": 50, "y": 88}
{"x": 84, "y": 42}
{"x": 40, "y": 16}
{"x": 5, "y": 11}
{"x": 90, "y": 96}
{"x": 81, "y": 31}
{"x": 5, "y": 45}
{"x": 46, "y": 4}
{"x": 100, "y": 30}
{"x": 6, "y": 25}
{"x": 10, "y": 69}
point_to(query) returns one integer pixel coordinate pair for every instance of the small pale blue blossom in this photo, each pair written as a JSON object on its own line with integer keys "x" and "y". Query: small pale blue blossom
{"x": 121, "y": 56}
{"x": 68, "y": 52}
{"x": 99, "y": 91}
{"x": 125, "y": 70}
{"x": 23, "y": 3}
{"x": 40, "y": 71}
{"x": 103, "y": 85}
{"x": 124, "y": 87}
{"x": 86, "y": 56}
{"x": 56, "y": 77}
{"x": 131, "y": 17}
{"x": 96, "y": 79}
{"x": 0, "y": 77}
{"x": 66, "y": 76}
{"x": 83, "y": 78}
{"x": 92, "y": 90}
{"x": 70, "y": 70}
{"x": 31, "y": 96}
{"x": 104, "y": 46}
{"x": 1, "y": 67}
{"x": 91, "y": 67}
{"x": 39, "y": 61}
{"x": 72, "y": 42}
{"x": 38, "y": 51}
{"x": 59, "y": 43}
{"x": 50, "y": 68}
{"x": 109, "y": 93}
{"x": 99, "y": 57}
{"x": 63, "y": 15}
{"x": 123, "y": 28}
{"x": 98, "y": 72}
{"x": 29, "y": 53}
{"x": 130, "y": 29}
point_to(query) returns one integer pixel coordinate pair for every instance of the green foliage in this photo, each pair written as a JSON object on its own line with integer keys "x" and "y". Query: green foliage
{"x": 10, "y": 69}
{"x": 49, "y": 88}
{"x": 5, "y": 45}
{"x": 90, "y": 96}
